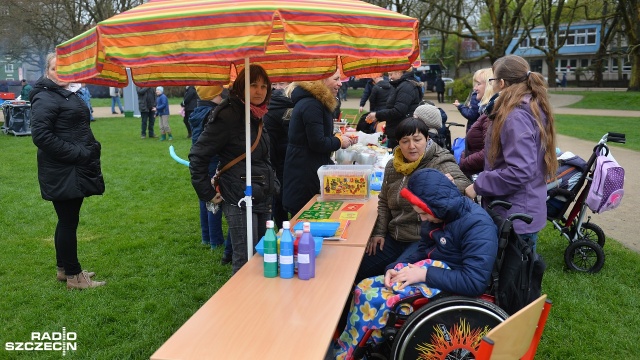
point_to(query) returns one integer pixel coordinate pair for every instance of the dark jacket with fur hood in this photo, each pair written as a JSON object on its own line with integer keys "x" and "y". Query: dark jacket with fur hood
{"x": 224, "y": 136}
{"x": 311, "y": 142}
{"x": 68, "y": 153}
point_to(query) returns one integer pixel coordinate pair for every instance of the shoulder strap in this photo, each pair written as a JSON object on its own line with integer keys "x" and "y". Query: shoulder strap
{"x": 244, "y": 155}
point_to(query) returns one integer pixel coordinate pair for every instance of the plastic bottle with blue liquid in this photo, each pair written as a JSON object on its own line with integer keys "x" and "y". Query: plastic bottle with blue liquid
{"x": 306, "y": 254}
{"x": 270, "y": 251}
{"x": 286, "y": 251}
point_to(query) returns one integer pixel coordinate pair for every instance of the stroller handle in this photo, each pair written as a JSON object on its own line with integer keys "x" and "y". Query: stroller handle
{"x": 616, "y": 138}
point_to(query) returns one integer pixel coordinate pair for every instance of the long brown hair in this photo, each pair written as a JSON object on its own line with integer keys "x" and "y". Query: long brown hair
{"x": 519, "y": 81}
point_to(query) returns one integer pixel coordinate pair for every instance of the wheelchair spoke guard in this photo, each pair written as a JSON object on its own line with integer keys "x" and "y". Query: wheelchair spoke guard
{"x": 450, "y": 328}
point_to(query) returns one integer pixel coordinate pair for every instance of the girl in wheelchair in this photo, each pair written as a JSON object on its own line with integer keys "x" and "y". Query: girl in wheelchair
{"x": 458, "y": 251}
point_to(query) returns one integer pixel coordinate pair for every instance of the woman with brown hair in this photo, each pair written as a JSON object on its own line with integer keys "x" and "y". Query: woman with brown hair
{"x": 520, "y": 145}
{"x": 224, "y": 136}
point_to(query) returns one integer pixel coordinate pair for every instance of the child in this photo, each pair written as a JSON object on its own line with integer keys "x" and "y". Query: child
{"x": 162, "y": 111}
{"x": 458, "y": 250}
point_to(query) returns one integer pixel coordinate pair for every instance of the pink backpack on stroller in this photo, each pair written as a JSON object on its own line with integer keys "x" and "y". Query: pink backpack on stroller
{"x": 607, "y": 187}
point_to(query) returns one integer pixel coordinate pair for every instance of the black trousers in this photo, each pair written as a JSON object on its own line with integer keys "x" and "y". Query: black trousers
{"x": 65, "y": 238}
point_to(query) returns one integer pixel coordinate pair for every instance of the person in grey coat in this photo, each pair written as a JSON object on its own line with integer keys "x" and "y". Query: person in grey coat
{"x": 68, "y": 165}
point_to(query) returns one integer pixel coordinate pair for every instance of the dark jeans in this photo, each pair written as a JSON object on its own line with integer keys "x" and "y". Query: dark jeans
{"x": 237, "y": 221}
{"x": 65, "y": 238}
{"x": 211, "y": 226}
{"x": 374, "y": 265}
{"x": 440, "y": 97}
{"x": 147, "y": 117}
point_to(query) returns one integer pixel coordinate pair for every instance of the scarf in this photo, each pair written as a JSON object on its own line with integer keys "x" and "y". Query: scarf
{"x": 258, "y": 111}
{"x": 400, "y": 164}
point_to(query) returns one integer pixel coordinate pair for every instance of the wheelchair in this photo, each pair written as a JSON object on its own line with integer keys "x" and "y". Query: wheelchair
{"x": 446, "y": 326}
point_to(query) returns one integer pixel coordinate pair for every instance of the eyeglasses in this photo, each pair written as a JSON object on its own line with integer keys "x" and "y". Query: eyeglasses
{"x": 492, "y": 79}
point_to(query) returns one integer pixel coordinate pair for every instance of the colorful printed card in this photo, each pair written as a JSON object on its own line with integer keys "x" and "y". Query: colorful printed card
{"x": 326, "y": 205}
{"x": 348, "y": 215}
{"x": 315, "y": 214}
{"x": 352, "y": 207}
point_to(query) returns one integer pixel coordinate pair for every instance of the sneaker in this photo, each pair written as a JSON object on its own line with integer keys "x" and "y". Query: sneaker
{"x": 152, "y": 137}
{"x": 226, "y": 259}
{"x": 113, "y": 112}
{"x": 143, "y": 137}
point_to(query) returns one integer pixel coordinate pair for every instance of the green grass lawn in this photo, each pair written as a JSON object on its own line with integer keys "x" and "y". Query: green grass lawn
{"x": 618, "y": 100}
{"x": 143, "y": 238}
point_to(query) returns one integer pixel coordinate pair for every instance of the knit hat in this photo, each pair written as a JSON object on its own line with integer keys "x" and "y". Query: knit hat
{"x": 161, "y": 89}
{"x": 208, "y": 93}
{"x": 430, "y": 115}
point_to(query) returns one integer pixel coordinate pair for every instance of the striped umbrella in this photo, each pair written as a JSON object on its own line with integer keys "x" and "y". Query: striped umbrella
{"x": 203, "y": 42}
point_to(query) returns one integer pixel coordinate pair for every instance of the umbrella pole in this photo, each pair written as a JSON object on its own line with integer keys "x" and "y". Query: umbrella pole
{"x": 247, "y": 135}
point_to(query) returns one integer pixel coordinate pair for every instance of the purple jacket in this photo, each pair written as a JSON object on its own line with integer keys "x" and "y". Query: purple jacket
{"x": 472, "y": 158}
{"x": 518, "y": 174}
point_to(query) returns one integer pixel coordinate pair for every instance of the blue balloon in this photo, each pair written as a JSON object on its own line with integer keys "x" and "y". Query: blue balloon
{"x": 177, "y": 158}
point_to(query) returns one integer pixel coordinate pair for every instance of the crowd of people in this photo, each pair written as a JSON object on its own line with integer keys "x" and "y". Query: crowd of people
{"x": 426, "y": 209}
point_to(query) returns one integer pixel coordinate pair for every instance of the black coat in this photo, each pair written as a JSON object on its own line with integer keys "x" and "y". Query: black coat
{"x": 379, "y": 95}
{"x": 190, "y": 100}
{"x": 276, "y": 122}
{"x": 224, "y": 136}
{"x": 311, "y": 142}
{"x": 146, "y": 98}
{"x": 402, "y": 102}
{"x": 68, "y": 153}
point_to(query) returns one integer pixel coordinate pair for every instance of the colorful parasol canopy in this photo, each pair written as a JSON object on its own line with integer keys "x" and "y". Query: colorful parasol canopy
{"x": 203, "y": 42}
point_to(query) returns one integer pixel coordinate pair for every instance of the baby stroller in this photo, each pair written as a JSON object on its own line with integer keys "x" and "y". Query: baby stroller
{"x": 448, "y": 326}
{"x": 17, "y": 118}
{"x": 571, "y": 186}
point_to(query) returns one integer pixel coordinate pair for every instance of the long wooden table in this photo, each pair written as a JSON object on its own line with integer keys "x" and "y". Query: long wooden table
{"x": 253, "y": 317}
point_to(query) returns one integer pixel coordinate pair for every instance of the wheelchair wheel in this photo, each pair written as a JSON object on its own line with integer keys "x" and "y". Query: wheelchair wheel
{"x": 450, "y": 328}
{"x": 584, "y": 256}
{"x": 590, "y": 231}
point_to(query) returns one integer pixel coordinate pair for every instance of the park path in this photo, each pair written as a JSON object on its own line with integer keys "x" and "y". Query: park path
{"x": 619, "y": 224}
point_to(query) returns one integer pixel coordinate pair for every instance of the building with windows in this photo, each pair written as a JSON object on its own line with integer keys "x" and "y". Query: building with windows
{"x": 577, "y": 57}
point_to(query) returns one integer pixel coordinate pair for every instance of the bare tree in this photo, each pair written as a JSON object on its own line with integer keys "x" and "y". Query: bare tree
{"x": 551, "y": 15}
{"x": 34, "y": 28}
{"x": 629, "y": 13}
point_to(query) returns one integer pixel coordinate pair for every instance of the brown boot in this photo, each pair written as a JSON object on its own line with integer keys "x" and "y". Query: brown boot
{"x": 82, "y": 281}
{"x": 60, "y": 275}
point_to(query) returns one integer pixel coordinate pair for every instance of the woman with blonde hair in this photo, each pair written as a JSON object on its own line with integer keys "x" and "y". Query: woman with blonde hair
{"x": 520, "y": 146}
{"x": 472, "y": 158}
{"x": 311, "y": 139}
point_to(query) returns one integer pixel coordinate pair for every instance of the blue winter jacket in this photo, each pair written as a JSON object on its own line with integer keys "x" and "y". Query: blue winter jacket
{"x": 466, "y": 240}
{"x": 471, "y": 112}
{"x": 162, "y": 105}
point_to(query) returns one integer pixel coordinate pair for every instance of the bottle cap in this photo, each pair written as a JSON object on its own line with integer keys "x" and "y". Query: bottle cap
{"x": 269, "y": 224}
{"x": 286, "y": 225}
{"x": 306, "y": 226}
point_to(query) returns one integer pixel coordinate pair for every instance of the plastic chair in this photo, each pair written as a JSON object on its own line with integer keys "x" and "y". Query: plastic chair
{"x": 518, "y": 336}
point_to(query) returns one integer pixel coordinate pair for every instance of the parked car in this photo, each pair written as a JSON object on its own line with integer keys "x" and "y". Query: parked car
{"x": 447, "y": 80}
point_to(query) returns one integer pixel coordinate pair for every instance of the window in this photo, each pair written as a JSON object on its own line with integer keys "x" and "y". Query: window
{"x": 488, "y": 39}
{"x": 8, "y": 68}
{"x": 584, "y": 63}
{"x": 626, "y": 65}
{"x": 524, "y": 43}
{"x": 542, "y": 41}
{"x": 578, "y": 36}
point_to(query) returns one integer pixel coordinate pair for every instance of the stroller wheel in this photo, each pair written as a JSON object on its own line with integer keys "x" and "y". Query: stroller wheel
{"x": 584, "y": 256}
{"x": 591, "y": 232}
